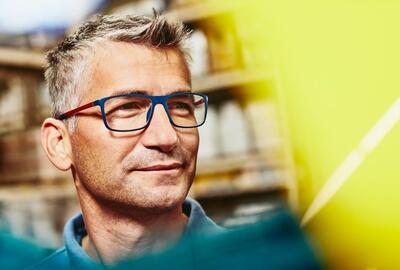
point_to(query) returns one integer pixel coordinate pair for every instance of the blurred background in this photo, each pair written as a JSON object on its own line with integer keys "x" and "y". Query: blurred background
{"x": 294, "y": 87}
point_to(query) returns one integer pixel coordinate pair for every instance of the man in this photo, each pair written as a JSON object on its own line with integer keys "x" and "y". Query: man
{"x": 125, "y": 123}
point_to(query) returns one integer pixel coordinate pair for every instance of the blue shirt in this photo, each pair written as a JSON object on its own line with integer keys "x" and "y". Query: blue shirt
{"x": 72, "y": 255}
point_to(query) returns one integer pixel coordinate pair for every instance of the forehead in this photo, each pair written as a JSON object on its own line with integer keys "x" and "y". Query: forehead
{"x": 117, "y": 67}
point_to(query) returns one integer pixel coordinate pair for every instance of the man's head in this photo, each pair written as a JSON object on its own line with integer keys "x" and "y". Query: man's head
{"x": 151, "y": 168}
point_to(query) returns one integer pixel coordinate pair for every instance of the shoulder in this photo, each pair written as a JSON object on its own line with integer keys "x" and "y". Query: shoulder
{"x": 198, "y": 219}
{"x": 57, "y": 260}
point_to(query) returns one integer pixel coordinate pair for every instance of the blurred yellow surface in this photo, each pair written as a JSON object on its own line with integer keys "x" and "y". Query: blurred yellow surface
{"x": 339, "y": 64}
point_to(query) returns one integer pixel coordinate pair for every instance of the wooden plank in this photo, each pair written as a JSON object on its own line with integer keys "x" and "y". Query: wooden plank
{"x": 208, "y": 191}
{"x": 237, "y": 162}
{"x": 23, "y": 159}
{"x": 20, "y": 142}
{"x": 228, "y": 79}
{"x": 28, "y": 193}
{"x": 22, "y": 58}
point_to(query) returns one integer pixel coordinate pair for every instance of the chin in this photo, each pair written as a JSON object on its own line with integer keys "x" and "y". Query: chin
{"x": 150, "y": 194}
{"x": 167, "y": 197}
{"x": 153, "y": 198}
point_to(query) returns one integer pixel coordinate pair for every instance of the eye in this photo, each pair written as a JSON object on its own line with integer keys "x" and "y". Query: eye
{"x": 126, "y": 109}
{"x": 181, "y": 106}
{"x": 128, "y": 106}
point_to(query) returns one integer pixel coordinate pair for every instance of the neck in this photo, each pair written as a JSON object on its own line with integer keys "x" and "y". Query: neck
{"x": 114, "y": 235}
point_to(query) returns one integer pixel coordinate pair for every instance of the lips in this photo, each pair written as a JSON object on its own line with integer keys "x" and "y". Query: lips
{"x": 160, "y": 167}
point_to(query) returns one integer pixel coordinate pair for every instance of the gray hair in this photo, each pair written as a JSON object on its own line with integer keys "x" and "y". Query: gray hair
{"x": 67, "y": 62}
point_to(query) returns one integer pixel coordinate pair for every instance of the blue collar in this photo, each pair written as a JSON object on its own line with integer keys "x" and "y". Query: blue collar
{"x": 75, "y": 230}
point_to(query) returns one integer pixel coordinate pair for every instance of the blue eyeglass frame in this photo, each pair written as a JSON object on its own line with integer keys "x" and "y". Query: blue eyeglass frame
{"x": 154, "y": 101}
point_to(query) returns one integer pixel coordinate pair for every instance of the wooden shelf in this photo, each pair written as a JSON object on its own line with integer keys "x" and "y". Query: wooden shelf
{"x": 240, "y": 175}
{"x": 228, "y": 79}
{"x": 237, "y": 162}
{"x": 22, "y": 58}
{"x": 21, "y": 193}
{"x": 233, "y": 193}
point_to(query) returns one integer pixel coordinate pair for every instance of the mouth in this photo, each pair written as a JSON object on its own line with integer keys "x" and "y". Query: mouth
{"x": 160, "y": 167}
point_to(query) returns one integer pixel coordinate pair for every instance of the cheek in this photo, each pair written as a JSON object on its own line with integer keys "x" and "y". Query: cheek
{"x": 109, "y": 147}
{"x": 90, "y": 159}
{"x": 189, "y": 141}
{"x": 98, "y": 169}
{"x": 97, "y": 156}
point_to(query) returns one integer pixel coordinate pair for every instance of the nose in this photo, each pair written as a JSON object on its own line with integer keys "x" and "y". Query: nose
{"x": 160, "y": 134}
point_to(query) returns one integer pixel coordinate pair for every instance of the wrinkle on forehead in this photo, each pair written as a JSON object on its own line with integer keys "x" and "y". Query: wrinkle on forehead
{"x": 134, "y": 56}
{"x": 164, "y": 55}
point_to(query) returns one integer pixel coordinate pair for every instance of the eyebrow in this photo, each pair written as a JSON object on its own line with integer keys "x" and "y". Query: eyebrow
{"x": 128, "y": 91}
{"x": 146, "y": 92}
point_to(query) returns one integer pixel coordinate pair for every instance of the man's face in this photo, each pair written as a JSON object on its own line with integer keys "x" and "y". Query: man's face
{"x": 147, "y": 169}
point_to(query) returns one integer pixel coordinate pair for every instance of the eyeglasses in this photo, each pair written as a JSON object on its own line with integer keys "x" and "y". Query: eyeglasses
{"x": 130, "y": 112}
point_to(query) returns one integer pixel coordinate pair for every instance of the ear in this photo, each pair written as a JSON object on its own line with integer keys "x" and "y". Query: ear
{"x": 56, "y": 143}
